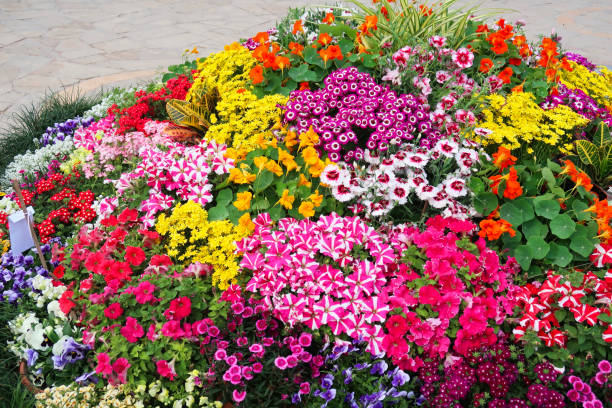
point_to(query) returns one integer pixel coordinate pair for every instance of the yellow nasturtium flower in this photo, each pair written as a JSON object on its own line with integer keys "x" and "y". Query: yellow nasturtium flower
{"x": 316, "y": 198}
{"x": 243, "y": 201}
{"x": 286, "y": 200}
{"x": 306, "y": 209}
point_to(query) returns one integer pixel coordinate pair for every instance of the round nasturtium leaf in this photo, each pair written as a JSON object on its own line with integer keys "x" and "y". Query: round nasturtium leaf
{"x": 546, "y": 208}
{"x": 512, "y": 214}
{"x": 523, "y": 256}
{"x": 559, "y": 255}
{"x": 562, "y": 226}
{"x": 539, "y": 247}
{"x": 581, "y": 244}
{"x": 534, "y": 228}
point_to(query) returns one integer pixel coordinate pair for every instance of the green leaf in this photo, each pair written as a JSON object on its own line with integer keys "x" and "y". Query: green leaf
{"x": 524, "y": 256}
{"x": 476, "y": 185}
{"x": 534, "y": 228}
{"x": 302, "y": 74}
{"x": 276, "y": 213}
{"x": 311, "y": 57}
{"x": 337, "y": 30}
{"x": 581, "y": 244}
{"x": 559, "y": 255}
{"x": 512, "y": 214}
{"x": 218, "y": 213}
{"x": 548, "y": 176}
{"x": 579, "y": 207}
{"x": 546, "y": 207}
{"x": 562, "y": 226}
{"x": 485, "y": 203}
{"x": 588, "y": 153}
{"x": 605, "y": 318}
{"x": 602, "y": 135}
{"x": 263, "y": 181}
{"x": 539, "y": 247}
{"x": 261, "y": 204}
{"x": 526, "y": 206}
{"x": 225, "y": 197}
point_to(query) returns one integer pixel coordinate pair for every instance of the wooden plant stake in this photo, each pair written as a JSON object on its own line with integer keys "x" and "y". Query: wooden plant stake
{"x": 22, "y": 204}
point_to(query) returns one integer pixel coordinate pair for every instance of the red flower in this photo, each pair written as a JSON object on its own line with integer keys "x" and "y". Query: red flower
{"x": 134, "y": 255}
{"x": 128, "y": 215}
{"x": 397, "y": 326}
{"x": 505, "y": 75}
{"x": 179, "y": 308}
{"x": 109, "y": 221}
{"x": 395, "y": 346}
{"x": 58, "y": 272}
{"x": 132, "y": 331}
{"x": 113, "y": 311}
{"x": 65, "y": 302}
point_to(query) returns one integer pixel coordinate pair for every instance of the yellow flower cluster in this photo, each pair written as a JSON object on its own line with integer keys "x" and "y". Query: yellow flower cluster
{"x": 192, "y": 238}
{"x": 77, "y": 156}
{"x": 517, "y": 121}
{"x": 597, "y": 85}
{"x": 73, "y": 396}
{"x": 241, "y": 117}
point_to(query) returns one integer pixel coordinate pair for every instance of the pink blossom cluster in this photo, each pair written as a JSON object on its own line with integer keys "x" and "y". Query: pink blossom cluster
{"x": 179, "y": 169}
{"x": 582, "y": 392}
{"x": 461, "y": 288}
{"x": 238, "y": 356}
{"x": 383, "y": 183}
{"x": 116, "y": 373}
{"x": 414, "y": 62}
{"x": 332, "y": 272}
{"x": 539, "y": 301}
{"x": 113, "y": 149}
{"x": 86, "y": 137}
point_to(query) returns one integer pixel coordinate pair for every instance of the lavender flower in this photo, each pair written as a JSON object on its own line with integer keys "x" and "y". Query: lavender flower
{"x": 59, "y": 131}
{"x": 67, "y": 351}
{"x": 87, "y": 378}
{"x": 31, "y": 357}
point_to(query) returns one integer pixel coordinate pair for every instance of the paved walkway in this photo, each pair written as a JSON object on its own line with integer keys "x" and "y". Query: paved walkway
{"x": 50, "y": 44}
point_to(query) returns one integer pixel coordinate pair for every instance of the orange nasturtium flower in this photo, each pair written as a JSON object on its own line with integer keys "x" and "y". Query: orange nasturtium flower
{"x": 513, "y": 187}
{"x": 485, "y": 65}
{"x": 503, "y": 158}
{"x": 297, "y": 27}
{"x": 324, "y": 39}
{"x": 329, "y": 18}
{"x": 262, "y": 37}
{"x": 296, "y": 48}
{"x": 506, "y": 74}
{"x": 281, "y": 63}
{"x": 569, "y": 168}
{"x": 369, "y": 23}
{"x": 256, "y": 74}
{"x": 330, "y": 53}
{"x": 492, "y": 230}
{"x": 246, "y": 223}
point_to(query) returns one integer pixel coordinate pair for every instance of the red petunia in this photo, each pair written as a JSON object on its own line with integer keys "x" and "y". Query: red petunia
{"x": 179, "y": 308}
{"x": 65, "y": 302}
{"x": 113, "y": 311}
{"x": 134, "y": 255}
{"x": 128, "y": 215}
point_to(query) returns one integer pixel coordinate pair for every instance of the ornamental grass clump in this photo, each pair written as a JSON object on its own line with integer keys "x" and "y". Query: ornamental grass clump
{"x": 352, "y": 112}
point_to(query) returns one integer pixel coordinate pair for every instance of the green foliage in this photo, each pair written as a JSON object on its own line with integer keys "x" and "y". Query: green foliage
{"x": 407, "y": 23}
{"x": 32, "y": 120}
{"x": 552, "y": 228}
{"x": 596, "y": 155}
{"x": 12, "y": 393}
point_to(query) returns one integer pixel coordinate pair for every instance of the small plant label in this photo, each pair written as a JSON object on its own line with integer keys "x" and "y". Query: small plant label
{"x": 20, "y": 232}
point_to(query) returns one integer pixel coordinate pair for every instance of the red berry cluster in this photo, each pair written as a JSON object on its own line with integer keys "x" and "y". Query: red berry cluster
{"x": 150, "y": 105}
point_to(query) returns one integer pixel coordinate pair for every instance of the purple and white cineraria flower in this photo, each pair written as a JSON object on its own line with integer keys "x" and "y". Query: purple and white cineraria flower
{"x": 376, "y": 187}
{"x": 352, "y": 113}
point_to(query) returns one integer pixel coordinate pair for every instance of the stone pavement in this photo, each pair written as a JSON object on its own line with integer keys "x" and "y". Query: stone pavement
{"x": 54, "y": 44}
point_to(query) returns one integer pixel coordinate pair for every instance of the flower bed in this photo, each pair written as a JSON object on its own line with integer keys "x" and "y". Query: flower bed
{"x": 357, "y": 208}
